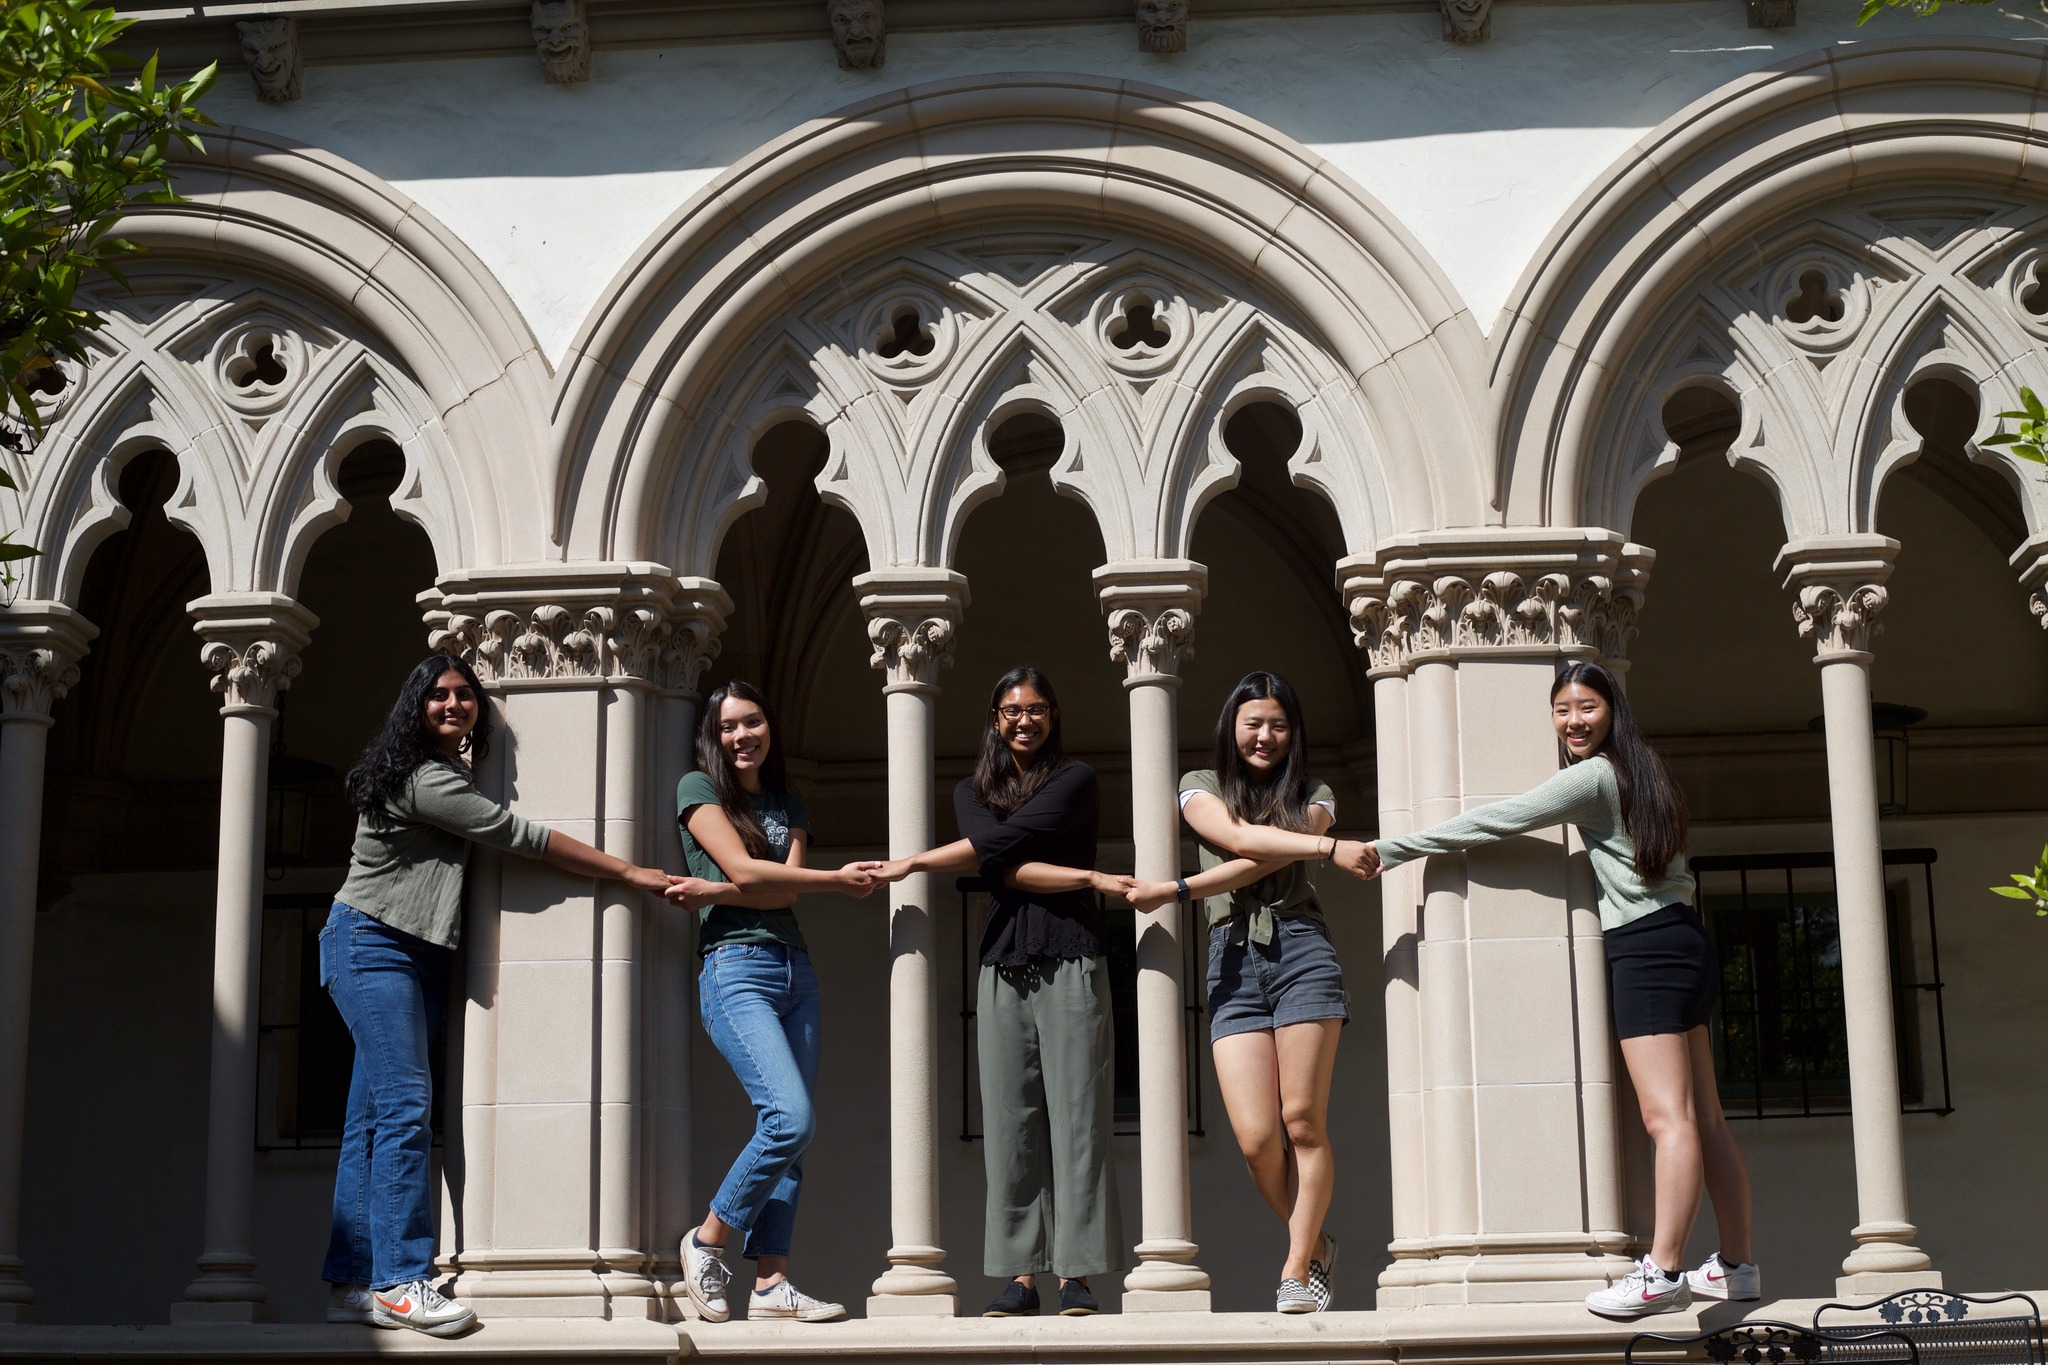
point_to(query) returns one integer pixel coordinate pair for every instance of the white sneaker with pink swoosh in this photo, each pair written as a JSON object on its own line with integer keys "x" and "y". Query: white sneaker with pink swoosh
{"x": 1716, "y": 1279}
{"x": 1645, "y": 1290}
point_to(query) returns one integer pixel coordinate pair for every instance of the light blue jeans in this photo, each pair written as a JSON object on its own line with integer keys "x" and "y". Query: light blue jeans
{"x": 760, "y": 1006}
{"x": 391, "y": 989}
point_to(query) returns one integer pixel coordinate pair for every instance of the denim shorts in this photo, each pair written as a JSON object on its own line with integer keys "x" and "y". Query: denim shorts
{"x": 1292, "y": 980}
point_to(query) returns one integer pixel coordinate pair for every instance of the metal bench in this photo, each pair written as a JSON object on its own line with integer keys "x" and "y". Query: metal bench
{"x": 1775, "y": 1343}
{"x": 1949, "y": 1329}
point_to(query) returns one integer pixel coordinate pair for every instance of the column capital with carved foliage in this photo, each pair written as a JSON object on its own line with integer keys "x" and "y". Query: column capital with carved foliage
{"x": 41, "y": 644}
{"x": 252, "y": 644}
{"x": 912, "y": 616}
{"x": 1150, "y": 605}
{"x": 2031, "y": 559}
{"x": 632, "y": 625}
{"x": 1452, "y": 595}
{"x": 1838, "y": 586}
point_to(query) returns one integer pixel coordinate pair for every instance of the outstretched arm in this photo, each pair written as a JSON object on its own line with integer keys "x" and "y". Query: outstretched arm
{"x": 573, "y": 855}
{"x": 714, "y": 832}
{"x": 1149, "y": 896}
{"x": 1572, "y": 797}
{"x": 1051, "y": 877}
{"x": 957, "y": 856}
{"x": 1209, "y": 817}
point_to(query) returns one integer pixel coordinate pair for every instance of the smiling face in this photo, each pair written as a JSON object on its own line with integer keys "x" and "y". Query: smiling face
{"x": 449, "y": 712}
{"x": 1024, "y": 718}
{"x": 743, "y": 734}
{"x": 562, "y": 38}
{"x": 1263, "y": 735}
{"x": 1583, "y": 719}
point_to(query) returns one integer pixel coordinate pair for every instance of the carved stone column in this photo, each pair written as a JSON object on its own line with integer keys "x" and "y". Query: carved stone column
{"x": 1840, "y": 586}
{"x": 697, "y": 620}
{"x": 2031, "y": 559}
{"x": 1151, "y": 607}
{"x": 1495, "y": 998}
{"x": 40, "y": 646}
{"x": 553, "y": 1154}
{"x": 912, "y": 614}
{"x": 252, "y": 644}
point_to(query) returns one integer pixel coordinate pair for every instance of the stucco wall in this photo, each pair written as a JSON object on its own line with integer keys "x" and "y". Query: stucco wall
{"x": 1476, "y": 150}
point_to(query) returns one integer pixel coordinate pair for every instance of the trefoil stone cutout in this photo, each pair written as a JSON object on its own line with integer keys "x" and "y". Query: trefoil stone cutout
{"x": 271, "y": 48}
{"x": 1162, "y": 25}
{"x": 860, "y": 33}
{"x": 1467, "y": 21}
{"x": 561, "y": 38}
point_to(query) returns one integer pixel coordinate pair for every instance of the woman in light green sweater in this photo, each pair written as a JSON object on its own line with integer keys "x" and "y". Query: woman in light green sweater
{"x": 1662, "y": 975}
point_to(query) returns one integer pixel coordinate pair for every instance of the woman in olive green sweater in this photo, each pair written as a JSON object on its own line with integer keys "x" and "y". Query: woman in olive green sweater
{"x": 384, "y": 958}
{"x": 1663, "y": 976}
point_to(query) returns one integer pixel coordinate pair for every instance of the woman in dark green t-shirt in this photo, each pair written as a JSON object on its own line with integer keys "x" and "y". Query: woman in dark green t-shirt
{"x": 1277, "y": 1001}
{"x": 744, "y": 833}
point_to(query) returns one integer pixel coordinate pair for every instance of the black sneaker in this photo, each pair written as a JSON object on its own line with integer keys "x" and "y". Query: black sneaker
{"x": 1076, "y": 1301}
{"x": 1016, "y": 1301}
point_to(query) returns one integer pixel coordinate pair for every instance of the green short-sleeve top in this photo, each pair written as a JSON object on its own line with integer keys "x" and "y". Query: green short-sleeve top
{"x": 717, "y": 925}
{"x": 1251, "y": 910}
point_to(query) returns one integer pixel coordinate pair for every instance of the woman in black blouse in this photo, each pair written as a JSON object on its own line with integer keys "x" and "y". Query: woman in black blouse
{"x": 1042, "y": 1018}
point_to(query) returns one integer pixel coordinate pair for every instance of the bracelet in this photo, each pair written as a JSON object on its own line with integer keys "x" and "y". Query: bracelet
{"x": 1180, "y": 884}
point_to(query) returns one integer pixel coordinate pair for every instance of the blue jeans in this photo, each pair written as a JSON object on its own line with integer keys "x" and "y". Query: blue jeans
{"x": 760, "y": 1006}
{"x": 391, "y": 989}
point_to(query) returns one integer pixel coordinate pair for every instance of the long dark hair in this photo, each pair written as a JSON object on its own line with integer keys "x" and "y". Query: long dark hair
{"x": 1280, "y": 800}
{"x": 997, "y": 783}
{"x": 714, "y": 762}
{"x": 402, "y": 743}
{"x": 1652, "y": 805}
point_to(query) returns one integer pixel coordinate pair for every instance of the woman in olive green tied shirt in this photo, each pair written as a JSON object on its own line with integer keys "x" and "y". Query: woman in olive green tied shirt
{"x": 1277, "y": 1001}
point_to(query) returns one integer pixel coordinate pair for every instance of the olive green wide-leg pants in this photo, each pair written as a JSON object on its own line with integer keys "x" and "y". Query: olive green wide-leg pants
{"x": 1048, "y": 1101}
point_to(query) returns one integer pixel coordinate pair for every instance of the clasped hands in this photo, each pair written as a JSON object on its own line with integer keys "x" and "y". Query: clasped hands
{"x": 1356, "y": 856}
{"x": 856, "y": 879}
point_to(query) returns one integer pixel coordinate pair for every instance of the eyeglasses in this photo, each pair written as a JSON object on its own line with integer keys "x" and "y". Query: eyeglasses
{"x": 1037, "y": 711}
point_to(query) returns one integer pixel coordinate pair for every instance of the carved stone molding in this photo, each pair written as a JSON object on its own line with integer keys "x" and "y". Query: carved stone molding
{"x": 1467, "y": 21}
{"x": 860, "y": 33}
{"x": 1838, "y": 587}
{"x": 252, "y": 645}
{"x": 1150, "y": 606}
{"x": 41, "y": 644}
{"x": 1162, "y": 25}
{"x": 276, "y": 63}
{"x": 1577, "y": 599}
{"x": 620, "y": 625}
{"x": 912, "y": 618}
{"x": 561, "y": 39}
{"x": 2032, "y": 558}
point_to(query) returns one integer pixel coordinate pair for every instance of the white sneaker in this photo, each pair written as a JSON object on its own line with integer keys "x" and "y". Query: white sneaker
{"x": 421, "y": 1307}
{"x": 1645, "y": 1290}
{"x": 705, "y": 1276}
{"x": 784, "y": 1300}
{"x": 1716, "y": 1279}
{"x": 350, "y": 1303}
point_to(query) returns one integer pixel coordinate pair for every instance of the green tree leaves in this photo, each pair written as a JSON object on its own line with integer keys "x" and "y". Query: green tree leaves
{"x": 2029, "y": 886}
{"x": 2030, "y": 442}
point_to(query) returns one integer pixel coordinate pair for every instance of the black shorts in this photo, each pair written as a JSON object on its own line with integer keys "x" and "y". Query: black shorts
{"x": 1663, "y": 975}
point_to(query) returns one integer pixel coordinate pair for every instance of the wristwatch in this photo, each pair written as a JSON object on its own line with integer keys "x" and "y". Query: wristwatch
{"x": 1180, "y": 884}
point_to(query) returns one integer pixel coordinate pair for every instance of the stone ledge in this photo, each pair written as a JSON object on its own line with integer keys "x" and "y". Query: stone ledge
{"x": 306, "y": 1343}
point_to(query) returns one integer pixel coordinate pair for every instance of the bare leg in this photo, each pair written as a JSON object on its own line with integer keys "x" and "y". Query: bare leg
{"x": 1308, "y": 1059}
{"x": 1248, "y": 1074}
{"x": 1660, "y": 1065}
{"x": 1727, "y": 1174}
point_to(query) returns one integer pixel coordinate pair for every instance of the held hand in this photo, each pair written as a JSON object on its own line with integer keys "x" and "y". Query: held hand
{"x": 858, "y": 878}
{"x": 1112, "y": 883}
{"x": 1357, "y": 857}
{"x": 649, "y": 879}
{"x": 692, "y": 893}
{"x": 1145, "y": 897}
{"x": 892, "y": 870}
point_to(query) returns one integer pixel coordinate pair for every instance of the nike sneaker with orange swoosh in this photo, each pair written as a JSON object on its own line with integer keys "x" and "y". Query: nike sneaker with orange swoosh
{"x": 1716, "y": 1279}
{"x": 1645, "y": 1290}
{"x": 421, "y": 1307}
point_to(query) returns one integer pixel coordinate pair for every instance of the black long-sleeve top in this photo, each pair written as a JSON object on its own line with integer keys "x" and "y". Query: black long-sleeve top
{"x": 1057, "y": 825}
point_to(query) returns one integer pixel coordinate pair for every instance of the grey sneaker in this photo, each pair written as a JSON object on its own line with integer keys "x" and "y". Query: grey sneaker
{"x": 704, "y": 1277}
{"x": 350, "y": 1303}
{"x": 1645, "y": 1290}
{"x": 421, "y": 1307}
{"x": 1716, "y": 1279}
{"x": 784, "y": 1300}
{"x": 1295, "y": 1297}
{"x": 1319, "y": 1273}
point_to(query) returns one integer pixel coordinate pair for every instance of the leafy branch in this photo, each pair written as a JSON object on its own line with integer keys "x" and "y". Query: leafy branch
{"x": 2029, "y": 886}
{"x": 2030, "y": 442}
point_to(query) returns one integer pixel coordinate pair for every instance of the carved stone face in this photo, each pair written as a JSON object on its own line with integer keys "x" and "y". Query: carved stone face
{"x": 1773, "y": 13}
{"x": 858, "y": 30}
{"x": 271, "y": 48}
{"x": 1162, "y": 25}
{"x": 1467, "y": 21}
{"x": 562, "y": 39}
